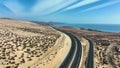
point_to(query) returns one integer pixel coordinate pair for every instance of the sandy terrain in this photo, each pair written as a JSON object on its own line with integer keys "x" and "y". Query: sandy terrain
{"x": 85, "y": 49}
{"x": 29, "y": 45}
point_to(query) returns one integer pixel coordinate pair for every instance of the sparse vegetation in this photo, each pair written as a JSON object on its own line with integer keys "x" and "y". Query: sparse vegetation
{"x": 17, "y": 48}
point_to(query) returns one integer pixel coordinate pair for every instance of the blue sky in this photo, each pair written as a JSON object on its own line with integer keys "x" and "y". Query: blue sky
{"x": 65, "y": 11}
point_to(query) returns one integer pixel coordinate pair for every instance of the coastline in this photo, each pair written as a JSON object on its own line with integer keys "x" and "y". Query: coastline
{"x": 112, "y": 28}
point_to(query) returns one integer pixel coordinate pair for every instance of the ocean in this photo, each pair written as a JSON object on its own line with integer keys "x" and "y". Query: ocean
{"x": 100, "y": 27}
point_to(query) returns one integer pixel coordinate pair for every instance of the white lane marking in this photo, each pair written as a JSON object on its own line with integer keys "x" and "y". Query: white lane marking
{"x": 73, "y": 55}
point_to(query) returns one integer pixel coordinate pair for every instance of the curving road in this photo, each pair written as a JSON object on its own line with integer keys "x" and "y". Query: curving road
{"x": 89, "y": 60}
{"x": 74, "y": 56}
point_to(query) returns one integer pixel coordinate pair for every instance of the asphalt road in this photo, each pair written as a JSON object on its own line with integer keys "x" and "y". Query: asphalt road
{"x": 74, "y": 56}
{"x": 89, "y": 61}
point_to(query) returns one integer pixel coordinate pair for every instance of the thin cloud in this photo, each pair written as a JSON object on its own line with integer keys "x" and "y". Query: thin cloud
{"x": 14, "y": 6}
{"x": 5, "y": 9}
{"x": 84, "y": 2}
{"x": 49, "y": 6}
{"x": 102, "y": 5}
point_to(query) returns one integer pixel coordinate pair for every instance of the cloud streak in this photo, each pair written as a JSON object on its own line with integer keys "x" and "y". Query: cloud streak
{"x": 44, "y": 7}
{"x": 59, "y": 10}
{"x": 84, "y": 2}
{"x": 102, "y": 5}
{"x": 14, "y": 6}
{"x": 4, "y": 9}
{"x": 49, "y": 6}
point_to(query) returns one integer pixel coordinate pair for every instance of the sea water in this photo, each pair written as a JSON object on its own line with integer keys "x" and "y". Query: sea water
{"x": 100, "y": 27}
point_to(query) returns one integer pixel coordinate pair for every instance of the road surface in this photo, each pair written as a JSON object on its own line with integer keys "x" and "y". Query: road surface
{"x": 73, "y": 58}
{"x": 89, "y": 60}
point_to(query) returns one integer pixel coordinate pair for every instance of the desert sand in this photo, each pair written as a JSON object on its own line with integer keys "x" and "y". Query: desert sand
{"x": 85, "y": 49}
{"x": 29, "y": 45}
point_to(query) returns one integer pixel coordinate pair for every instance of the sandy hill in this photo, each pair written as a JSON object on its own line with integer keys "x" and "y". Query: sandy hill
{"x": 29, "y": 45}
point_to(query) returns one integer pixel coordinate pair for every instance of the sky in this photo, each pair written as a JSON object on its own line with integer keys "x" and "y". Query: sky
{"x": 64, "y": 11}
